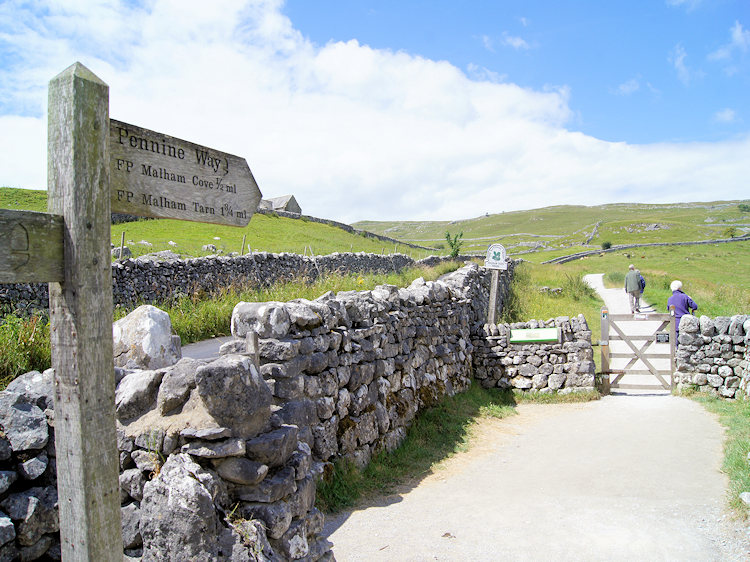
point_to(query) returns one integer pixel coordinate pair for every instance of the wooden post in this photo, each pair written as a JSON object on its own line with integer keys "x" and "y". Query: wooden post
{"x": 492, "y": 308}
{"x": 672, "y": 346}
{"x": 81, "y": 318}
{"x": 122, "y": 245}
{"x": 604, "y": 346}
{"x": 242, "y": 249}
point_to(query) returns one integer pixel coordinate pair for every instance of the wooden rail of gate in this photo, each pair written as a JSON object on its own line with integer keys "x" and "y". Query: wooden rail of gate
{"x": 664, "y": 333}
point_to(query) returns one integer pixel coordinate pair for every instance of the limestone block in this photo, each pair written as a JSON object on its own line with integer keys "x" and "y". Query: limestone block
{"x": 276, "y": 516}
{"x": 275, "y": 447}
{"x": 132, "y": 481}
{"x": 136, "y": 393}
{"x": 241, "y": 470}
{"x": 34, "y": 467}
{"x": 24, "y": 424}
{"x": 191, "y": 531}
{"x": 235, "y": 394}
{"x": 722, "y": 324}
{"x": 131, "y": 526}
{"x": 521, "y": 382}
{"x": 715, "y": 380}
{"x": 267, "y": 319}
{"x": 35, "y": 513}
{"x": 7, "y": 477}
{"x": 271, "y": 489}
{"x": 7, "y": 530}
{"x": 689, "y": 324}
{"x": 38, "y": 388}
{"x": 234, "y": 447}
{"x": 707, "y": 326}
{"x": 556, "y": 381}
{"x": 143, "y": 340}
{"x": 539, "y": 381}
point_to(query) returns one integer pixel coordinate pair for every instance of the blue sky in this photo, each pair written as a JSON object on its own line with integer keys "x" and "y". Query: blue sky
{"x": 639, "y": 71}
{"x": 409, "y": 110}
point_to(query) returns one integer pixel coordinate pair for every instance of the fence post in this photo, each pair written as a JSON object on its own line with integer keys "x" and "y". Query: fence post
{"x": 492, "y": 308}
{"x": 672, "y": 346}
{"x": 81, "y": 318}
{"x": 604, "y": 346}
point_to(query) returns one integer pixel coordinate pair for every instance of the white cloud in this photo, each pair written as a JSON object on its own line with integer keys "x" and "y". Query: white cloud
{"x": 690, "y": 5}
{"x": 628, "y": 87}
{"x": 740, "y": 37}
{"x": 514, "y": 42}
{"x": 726, "y": 115}
{"x": 488, "y": 43}
{"x": 353, "y": 132}
{"x": 677, "y": 59}
{"x": 739, "y": 40}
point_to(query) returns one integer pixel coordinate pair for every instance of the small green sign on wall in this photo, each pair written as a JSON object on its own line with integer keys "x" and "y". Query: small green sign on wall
{"x": 536, "y": 335}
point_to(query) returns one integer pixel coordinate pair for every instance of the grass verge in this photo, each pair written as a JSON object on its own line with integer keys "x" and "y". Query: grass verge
{"x": 24, "y": 346}
{"x": 25, "y": 343}
{"x": 436, "y": 434}
{"x": 734, "y": 415}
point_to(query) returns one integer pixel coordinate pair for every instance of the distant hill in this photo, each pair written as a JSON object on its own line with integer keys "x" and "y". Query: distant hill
{"x": 537, "y": 234}
{"x": 568, "y": 228}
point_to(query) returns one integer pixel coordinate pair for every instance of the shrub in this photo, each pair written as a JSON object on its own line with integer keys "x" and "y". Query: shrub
{"x": 454, "y": 243}
{"x": 606, "y": 245}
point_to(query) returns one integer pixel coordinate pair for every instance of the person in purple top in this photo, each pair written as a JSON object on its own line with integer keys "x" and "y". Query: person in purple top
{"x": 682, "y": 303}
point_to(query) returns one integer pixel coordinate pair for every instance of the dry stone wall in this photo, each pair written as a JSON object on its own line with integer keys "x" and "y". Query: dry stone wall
{"x": 352, "y": 370}
{"x": 712, "y": 354}
{"x": 219, "y": 460}
{"x": 562, "y": 367}
{"x": 162, "y": 276}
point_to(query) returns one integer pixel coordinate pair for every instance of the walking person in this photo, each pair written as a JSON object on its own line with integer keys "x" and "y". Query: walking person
{"x": 633, "y": 288}
{"x": 682, "y": 304}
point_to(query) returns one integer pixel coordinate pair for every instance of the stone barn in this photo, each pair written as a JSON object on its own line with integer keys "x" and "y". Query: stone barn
{"x": 284, "y": 203}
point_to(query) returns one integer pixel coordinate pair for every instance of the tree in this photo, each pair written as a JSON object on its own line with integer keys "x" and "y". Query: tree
{"x": 606, "y": 245}
{"x": 454, "y": 243}
{"x": 744, "y": 208}
{"x": 731, "y": 232}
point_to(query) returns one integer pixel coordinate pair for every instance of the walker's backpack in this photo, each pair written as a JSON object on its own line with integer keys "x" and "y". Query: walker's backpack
{"x": 642, "y": 282}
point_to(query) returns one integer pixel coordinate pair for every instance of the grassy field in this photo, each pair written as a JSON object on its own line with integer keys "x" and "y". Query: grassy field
{"x": 564, "y": 229}
{"x": 269, "y": 233}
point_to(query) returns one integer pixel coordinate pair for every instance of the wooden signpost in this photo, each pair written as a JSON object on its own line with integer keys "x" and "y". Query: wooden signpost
{"x": 96, "y": 166}
{"x": 495, "y": 261}
{"x": 155, "y": 175}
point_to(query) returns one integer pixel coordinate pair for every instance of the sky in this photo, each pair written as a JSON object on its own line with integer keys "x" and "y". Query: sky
{"x": 410, "y": 109}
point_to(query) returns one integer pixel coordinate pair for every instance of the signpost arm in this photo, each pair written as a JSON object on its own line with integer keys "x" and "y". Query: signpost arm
{"x": 81, "y": 318}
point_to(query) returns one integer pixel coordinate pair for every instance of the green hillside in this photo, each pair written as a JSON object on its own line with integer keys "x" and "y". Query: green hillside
{"x": 269, "y": 233}
{"x": 566, "y": 229}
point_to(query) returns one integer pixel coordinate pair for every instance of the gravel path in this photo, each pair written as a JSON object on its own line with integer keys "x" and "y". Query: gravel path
{"x": 629, "y": 477}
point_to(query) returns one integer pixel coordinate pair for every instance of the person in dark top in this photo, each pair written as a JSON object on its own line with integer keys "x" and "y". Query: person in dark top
{"x": 633, "y": 288}
{"x": 682, "y": 303}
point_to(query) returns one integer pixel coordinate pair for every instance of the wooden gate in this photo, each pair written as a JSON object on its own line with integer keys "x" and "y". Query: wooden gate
{"x": 646, "y": 342}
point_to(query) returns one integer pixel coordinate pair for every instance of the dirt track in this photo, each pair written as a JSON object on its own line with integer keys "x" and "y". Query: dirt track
{"x": 629, "y": 477}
